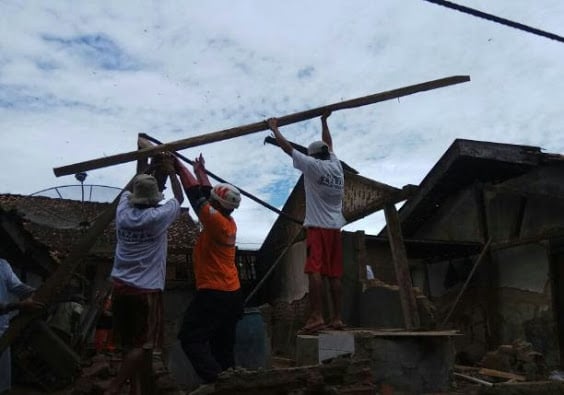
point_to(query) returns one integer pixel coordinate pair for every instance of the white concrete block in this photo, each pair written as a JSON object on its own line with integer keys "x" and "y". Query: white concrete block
{"x": 332, "y": 344}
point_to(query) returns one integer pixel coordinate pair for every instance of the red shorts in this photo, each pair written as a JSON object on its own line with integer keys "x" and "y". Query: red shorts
{"x": 324, "y": 252}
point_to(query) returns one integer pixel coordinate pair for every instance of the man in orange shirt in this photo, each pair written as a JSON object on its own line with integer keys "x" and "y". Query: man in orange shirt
{"x": 207, "y": 334}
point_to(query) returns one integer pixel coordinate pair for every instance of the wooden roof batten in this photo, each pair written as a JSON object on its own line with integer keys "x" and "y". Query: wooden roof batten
{"x": 255, "y": 127}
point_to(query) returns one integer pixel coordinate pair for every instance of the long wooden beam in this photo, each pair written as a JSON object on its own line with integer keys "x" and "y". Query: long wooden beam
{"x": 255, "y": 127}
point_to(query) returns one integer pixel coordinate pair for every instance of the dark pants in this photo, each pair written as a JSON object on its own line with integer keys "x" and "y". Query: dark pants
{"x": 207, "y": 334}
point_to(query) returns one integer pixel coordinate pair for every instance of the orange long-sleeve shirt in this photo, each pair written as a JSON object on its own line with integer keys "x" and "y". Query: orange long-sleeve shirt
{"x": 214, "y": 253}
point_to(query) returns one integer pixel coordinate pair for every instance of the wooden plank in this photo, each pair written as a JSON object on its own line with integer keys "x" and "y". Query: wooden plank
{"x": 256, "y": 127}
{"x": 473, "y": 379}
{"x": 464, "y": 368}
{"x": 501, "y": 374}
{"x": 510, "y": 243}
{"x": 390, "y": 198}
{"x": 465, "y": 285}
{"x": 403, "y": 333}
{"x": 142, "y": 163}
{"x": 397, "y": 246}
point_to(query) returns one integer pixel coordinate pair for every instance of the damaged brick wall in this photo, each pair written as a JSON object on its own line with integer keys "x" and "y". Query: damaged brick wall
{"x": 286, "y": 319}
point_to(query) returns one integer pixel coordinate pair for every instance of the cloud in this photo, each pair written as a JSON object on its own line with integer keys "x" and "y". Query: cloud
{"x": 94, "y": 50}
{"x": 78, "y": 81}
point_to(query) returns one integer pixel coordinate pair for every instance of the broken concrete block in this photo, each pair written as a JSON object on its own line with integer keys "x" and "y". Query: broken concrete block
{"x": 307, "y": 350}
{"x": 408, "y": 363}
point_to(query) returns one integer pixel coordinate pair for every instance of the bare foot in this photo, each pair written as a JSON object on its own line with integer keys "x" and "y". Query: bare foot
{"x": 312, "y": 327}
{"x": 337, "y": 325}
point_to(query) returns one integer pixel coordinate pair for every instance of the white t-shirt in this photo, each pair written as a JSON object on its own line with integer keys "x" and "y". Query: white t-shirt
{"x": 10, "y": 284}
{"x": 324, "y": 183}
{"x": 141, "y": 250}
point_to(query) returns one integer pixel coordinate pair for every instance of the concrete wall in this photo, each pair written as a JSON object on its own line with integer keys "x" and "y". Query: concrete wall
{"x": 379, "y": 257}
{"x": 287, "y": 288}
{"x": 523, "y": 299}
{"x": 456, "y": 219}
{"x": 291, "y": 279}
{"x": 510, "y": 294}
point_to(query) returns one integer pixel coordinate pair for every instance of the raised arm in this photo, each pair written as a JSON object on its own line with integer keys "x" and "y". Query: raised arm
{"x": 186, "y": 178}
{"x": 200, "y": 171}
{"x": 23, "y": 291}
{"x": 281, "y": 140}
{"x": 169, "y": 165}
{"x": 195, "y": 192}
{"x": 28, "y": 304}
{"x": 176, "y": 187}
{"x": 325, "y": 133}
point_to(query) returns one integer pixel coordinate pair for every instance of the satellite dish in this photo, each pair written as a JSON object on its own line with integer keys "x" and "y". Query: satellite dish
{"x": 75, "y": 207}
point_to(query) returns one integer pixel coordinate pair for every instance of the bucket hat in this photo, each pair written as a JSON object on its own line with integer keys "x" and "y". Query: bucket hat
{"x": 145, "y": 191}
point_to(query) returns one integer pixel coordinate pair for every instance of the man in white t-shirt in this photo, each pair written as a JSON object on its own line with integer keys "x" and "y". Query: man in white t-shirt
{"x": 324, "y": 191}
{"x": 10, "y": 284}
{"x": 138, "y": 276}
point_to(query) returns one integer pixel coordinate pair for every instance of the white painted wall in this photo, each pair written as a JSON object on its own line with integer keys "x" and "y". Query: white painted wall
{"x": 293, "y": 279}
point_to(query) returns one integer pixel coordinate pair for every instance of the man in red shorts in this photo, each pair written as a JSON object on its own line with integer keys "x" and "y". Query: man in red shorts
{"x": 324, "y": 190}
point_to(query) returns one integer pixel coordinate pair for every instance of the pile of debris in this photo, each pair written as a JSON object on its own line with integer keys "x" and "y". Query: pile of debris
{"x": 341, "y": 375}
{"x": 99, "y": 371}
{"x": 510, "y": 363}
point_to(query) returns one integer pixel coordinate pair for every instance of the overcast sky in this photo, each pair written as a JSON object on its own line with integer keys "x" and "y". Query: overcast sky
{"x": 79, "y": 80}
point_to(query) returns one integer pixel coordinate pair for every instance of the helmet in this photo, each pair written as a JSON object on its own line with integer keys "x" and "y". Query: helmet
{"x": 227, "y": 195}
{"x": 317, "y": 147}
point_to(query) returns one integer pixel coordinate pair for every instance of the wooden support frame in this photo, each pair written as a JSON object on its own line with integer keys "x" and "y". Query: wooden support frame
{"x": 399, "y": 255}
{"x": 256, "y": 127}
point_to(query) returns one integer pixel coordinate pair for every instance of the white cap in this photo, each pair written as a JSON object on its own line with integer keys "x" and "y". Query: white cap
{"x": 317, "y": 147}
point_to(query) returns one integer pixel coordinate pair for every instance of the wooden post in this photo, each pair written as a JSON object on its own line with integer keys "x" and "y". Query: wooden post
{"x": 255, "y": 127}
{"x": 399, "y": 255}
{"x": 142, "y": 163}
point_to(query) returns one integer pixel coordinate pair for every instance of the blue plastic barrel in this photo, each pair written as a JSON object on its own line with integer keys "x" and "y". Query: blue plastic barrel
{"x": 252, "y": 346}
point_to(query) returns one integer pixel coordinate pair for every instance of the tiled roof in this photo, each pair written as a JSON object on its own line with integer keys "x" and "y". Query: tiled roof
{"x": 60, "y": 223}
